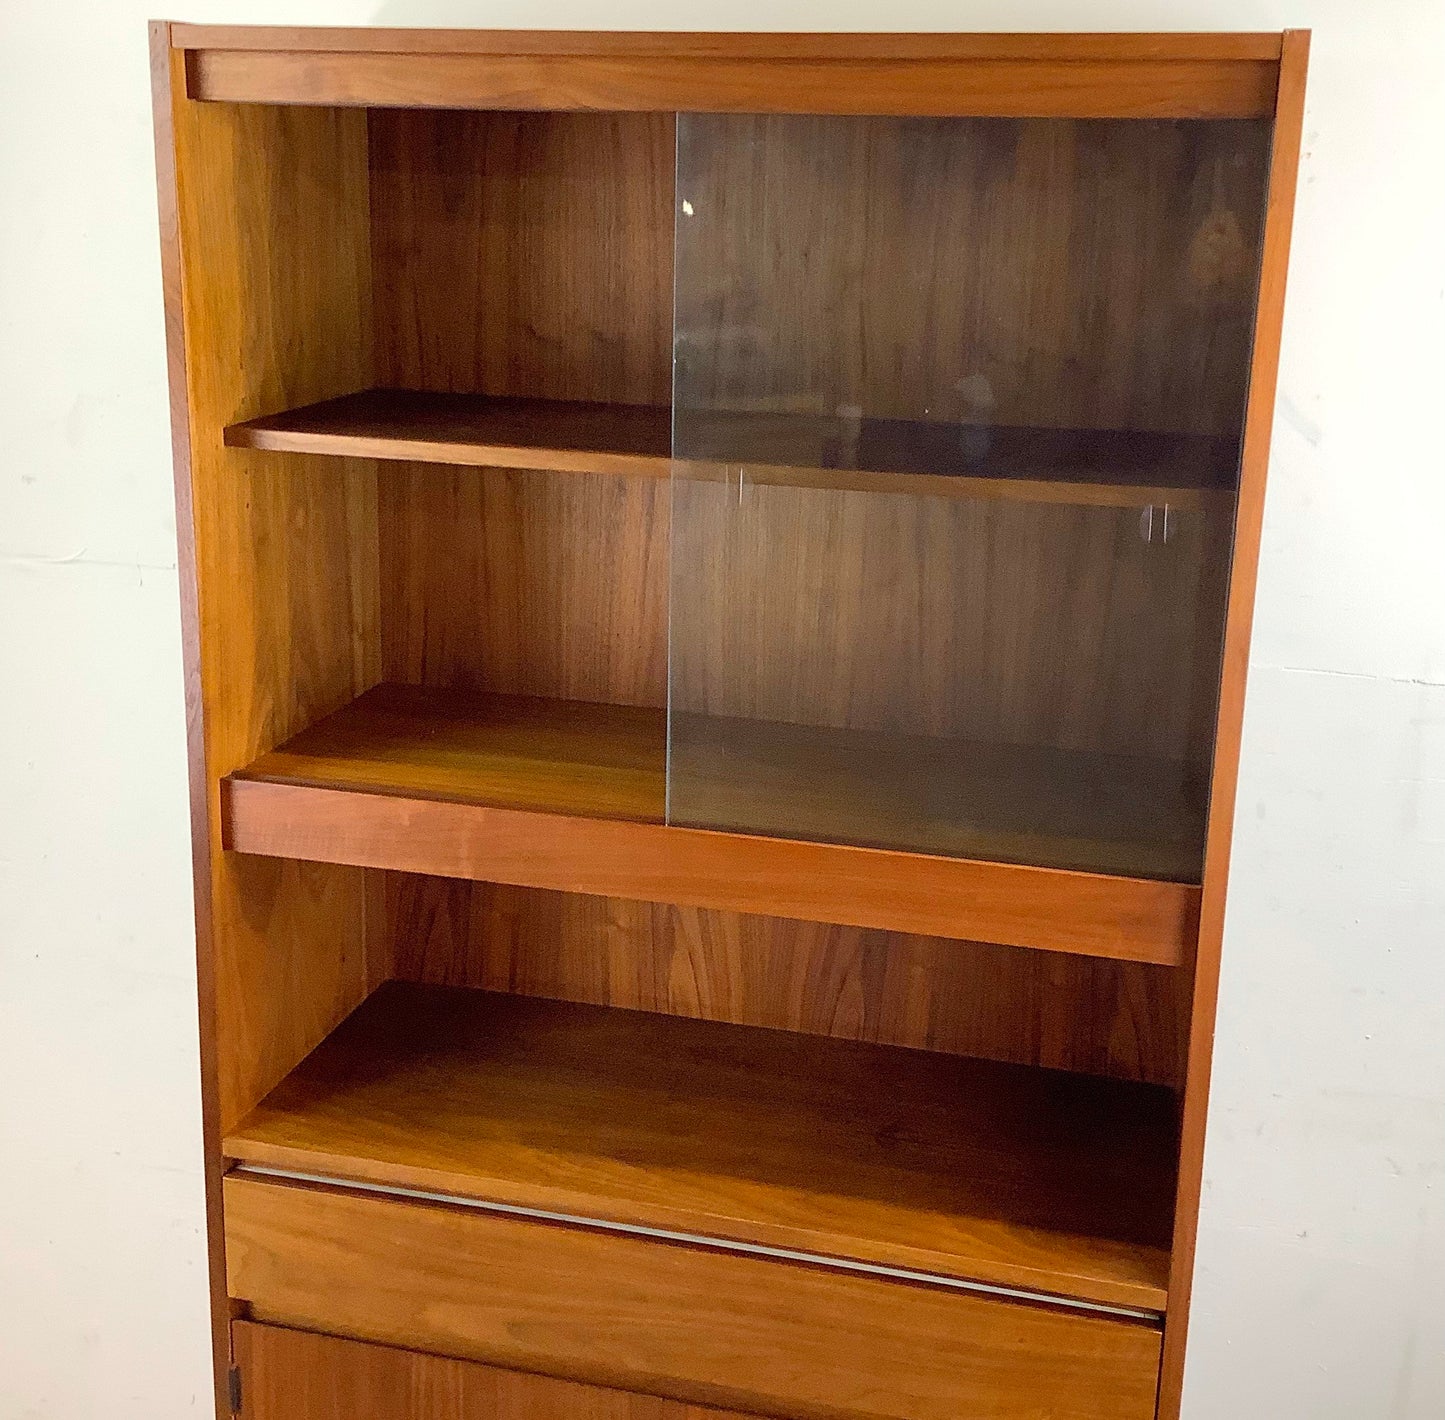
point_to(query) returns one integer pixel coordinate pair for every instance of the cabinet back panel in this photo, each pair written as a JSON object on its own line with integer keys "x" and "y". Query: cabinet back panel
{"x": 990, "y": 620}
{"x": 1066, "y": 273}
{"x": 524, "y": 253}
{"x": 549, "y": 584}
{"x": 1096, "y": 1016}
{"x": 272, "y": 219}
{"x": 530, "y": 255}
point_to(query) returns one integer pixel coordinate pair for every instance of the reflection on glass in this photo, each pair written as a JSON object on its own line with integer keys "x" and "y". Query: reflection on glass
{"x": 957, "y": 410}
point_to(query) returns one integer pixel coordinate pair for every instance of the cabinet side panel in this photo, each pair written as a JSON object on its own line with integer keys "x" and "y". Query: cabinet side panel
{"x": 301, "y": 1375}
{"x": 1259, "y": 425}
{"x": 1122, "y": 1019}
{"x": 167, "y": 84}
{"x": 274, "y": 239}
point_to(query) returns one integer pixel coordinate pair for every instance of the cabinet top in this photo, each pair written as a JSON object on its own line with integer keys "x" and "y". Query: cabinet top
{"x": 1176, "y": 47}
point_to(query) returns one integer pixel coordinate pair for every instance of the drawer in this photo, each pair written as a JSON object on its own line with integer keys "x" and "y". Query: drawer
{"x": 697, "y": 1323}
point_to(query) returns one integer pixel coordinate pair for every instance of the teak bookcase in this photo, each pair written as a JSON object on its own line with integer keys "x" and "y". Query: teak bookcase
{"x": 717, "y": 581}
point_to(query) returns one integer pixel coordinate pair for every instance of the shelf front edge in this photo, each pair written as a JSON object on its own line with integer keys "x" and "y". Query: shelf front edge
{"x": 1089, "y": 914}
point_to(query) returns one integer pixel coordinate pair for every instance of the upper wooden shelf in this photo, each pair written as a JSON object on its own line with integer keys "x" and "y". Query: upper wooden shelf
{"x": 572, "y": 797}
{"x": 472, "y": 430}
{"x": 1001, "y": 1174}
{"x": 1115, "y": 468}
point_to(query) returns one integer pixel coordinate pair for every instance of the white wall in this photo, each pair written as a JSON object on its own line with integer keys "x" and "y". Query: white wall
{"x": 1321, "y": 1291}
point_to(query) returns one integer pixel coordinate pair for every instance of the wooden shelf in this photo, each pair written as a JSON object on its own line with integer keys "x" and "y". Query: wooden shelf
{"x": 1001, "y": 1174}
{"x": 471, "y": 430}
{"x": 510, "y": 751}
{"x": 1097, "y": 467}
{"x": 1095, "y": 813}
{"x": 571, "y": 796}
{"x": 1108, "y": 468}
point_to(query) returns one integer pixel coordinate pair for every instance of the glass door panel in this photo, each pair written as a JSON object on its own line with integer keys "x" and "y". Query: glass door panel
{"x": 957, "y": 414}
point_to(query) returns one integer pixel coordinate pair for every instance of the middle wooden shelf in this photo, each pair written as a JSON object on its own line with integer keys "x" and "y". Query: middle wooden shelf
{"x": 1003, "y": 1175}
{"x": 1120, "y": 468}
{"x": 573, "y": 796}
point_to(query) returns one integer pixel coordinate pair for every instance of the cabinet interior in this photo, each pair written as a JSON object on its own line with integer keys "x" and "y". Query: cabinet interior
{"x": 866, "y": 481}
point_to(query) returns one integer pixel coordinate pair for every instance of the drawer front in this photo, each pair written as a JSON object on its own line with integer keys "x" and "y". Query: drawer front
{"x": 695, "y": 1323}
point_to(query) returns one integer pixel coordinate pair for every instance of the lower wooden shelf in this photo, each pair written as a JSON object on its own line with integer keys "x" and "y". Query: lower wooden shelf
{"x": 1004, "y": 1175}
{"x": 1082, "y": 812}
{"x": 1064, "y": 852}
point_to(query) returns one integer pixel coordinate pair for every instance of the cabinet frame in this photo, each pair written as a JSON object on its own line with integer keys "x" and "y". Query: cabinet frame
{"x": 1125, "y": 75}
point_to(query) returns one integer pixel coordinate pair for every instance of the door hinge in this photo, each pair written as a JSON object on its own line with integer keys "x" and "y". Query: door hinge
{"x": 233, "y": 1381}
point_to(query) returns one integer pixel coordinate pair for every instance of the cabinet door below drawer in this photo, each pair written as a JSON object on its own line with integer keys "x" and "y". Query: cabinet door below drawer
{"x": 299, "y": 1375}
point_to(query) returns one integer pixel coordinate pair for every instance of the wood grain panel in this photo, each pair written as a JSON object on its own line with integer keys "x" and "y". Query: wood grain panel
{"x": 956, "y": 1167}
{"x": 691, "y": 1323}
{"x": 1100, "y": 1017}
{"x": 556, "y": 756}
{"x": 989, "y": 621}
{"x": 300, "y": 1375}
{"x": 275, "y": 256}
{"x": 1112, "y": 468}
{"x": 538, "y": 584}
{"x": 1102, "y": 88}
{"x": 1119, "y": 814}
{"x": 1129, "y": 919}
{"x": 481, "y": 431}
{"x": 1087, "y": 275}
{"x": 490, "y": 279}
{"x": 524, "y": 254}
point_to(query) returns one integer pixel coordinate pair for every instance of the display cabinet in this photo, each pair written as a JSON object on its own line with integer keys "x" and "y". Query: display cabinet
{"x": 717, "y": 576}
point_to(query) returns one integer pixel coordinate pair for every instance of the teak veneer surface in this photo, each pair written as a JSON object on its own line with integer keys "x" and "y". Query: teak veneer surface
{"x": 1089, "y": 812}
{"x": 420, "y": 781}
{"x": 1090, "y": 466}
{"x": 1127, "y": 919}
{"x": 269, "y": 305}
{"x": 514, "y": 751}
{"x": 969, "y": 1169}
{"x": 1121, "y": 1019}
{"x": 857, "y": 83}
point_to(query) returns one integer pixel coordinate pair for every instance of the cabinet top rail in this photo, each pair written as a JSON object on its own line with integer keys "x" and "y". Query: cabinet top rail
{"x": 929, "y": 75}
